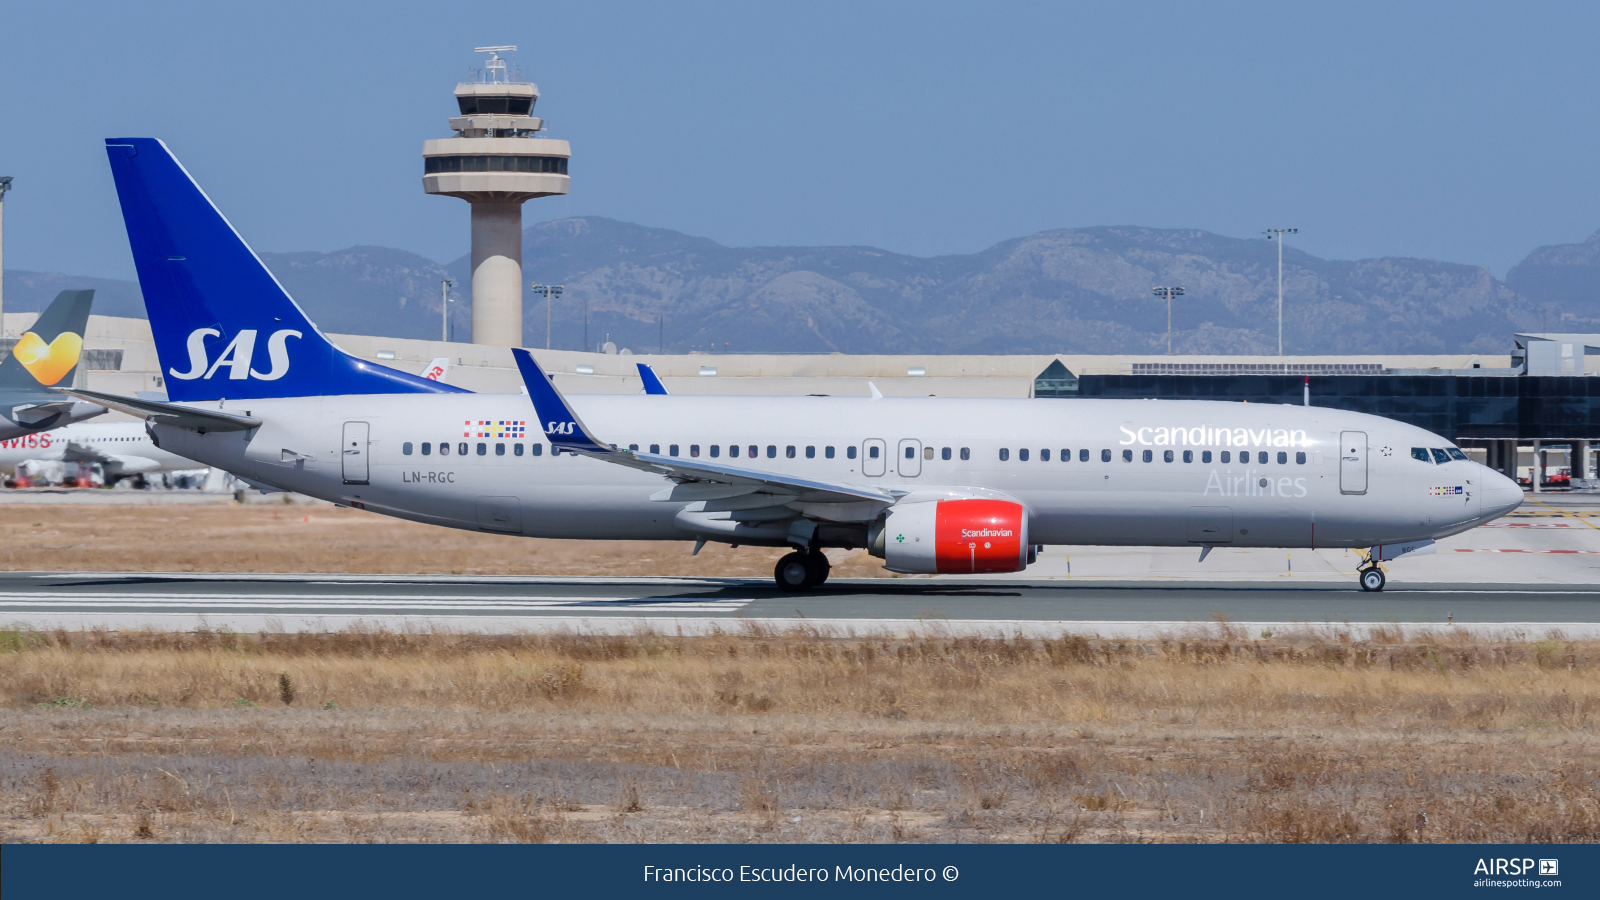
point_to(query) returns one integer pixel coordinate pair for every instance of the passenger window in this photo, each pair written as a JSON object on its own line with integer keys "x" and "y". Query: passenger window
{"x": 1022, "y": 455}
{"x": 1205, "y": 456}
{"x": 1066, "y": 455}
{"x": 1457, "y": 454}
{"x": 733, "y": 450}
{"x": 911, "y": 452}
{"x": 1105, "y": 456}
{"x": 427, "y": 449}
{"x": 634, "y": 447}
{"x": 1262, "y": 457}
{"x": 672, "y": 449}
{"x": 1005, "y": 454}
{"x": 516, "y": 449}
{"x": 827, "y": 452}
{"x": 1440, "y": 457}
{"x": 1127, "y": 455}
{"x": 715, "y": 450}
{"x": 811, "y": 452}
{"x": 694, "y": 449}
{"x": 1166, "y": 456}
{"x": 461, "y": 449}
{"x": 788, "y": 452}
{"x": 1299, "y": 457}
{"x": 537, "y": 449}
{"x": 406, "y": 448}
{"x": 753, "y": 452}
{"x": 500, "y": 449}
{"x": 1044, "y": 456}
{"x": 1083, "y": 455}
{"x": 966, "y": 453}
{"x": 927, "y": 453}
{"x": 444, "y": 449}
{"x": 1421, "y": 454}
{"x": 1149, "y": 456}
{"x": 772, "y": 451}
{"x": 1188, "y": 456}
{"x": 483, "y": 449}
{"x": 944, "y": 453}
{"x": 1283, "y": 458}
{"x": 872, "y": 452}
{"x": 1226, "y": 457}
{"x": 850, "y": 451}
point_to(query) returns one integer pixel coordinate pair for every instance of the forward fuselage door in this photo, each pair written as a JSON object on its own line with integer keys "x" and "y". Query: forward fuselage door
{"x": 909, "y": 459}
{"x": 873, "y": 452}
{"x": 353, "y": 452}
{"x": 1352, "y": 462}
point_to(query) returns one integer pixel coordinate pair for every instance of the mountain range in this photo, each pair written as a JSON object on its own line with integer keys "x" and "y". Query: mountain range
{"x": 1083, "y": 290}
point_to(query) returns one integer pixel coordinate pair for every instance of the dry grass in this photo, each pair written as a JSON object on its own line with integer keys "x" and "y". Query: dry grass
{"x": 794, "y": 737}
{"x": 270, "y": 537}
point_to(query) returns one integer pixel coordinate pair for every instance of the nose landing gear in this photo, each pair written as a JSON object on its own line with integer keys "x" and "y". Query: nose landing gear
{"x": 801, "y": 571}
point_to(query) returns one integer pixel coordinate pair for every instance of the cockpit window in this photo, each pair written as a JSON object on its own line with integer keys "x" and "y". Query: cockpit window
{"x": 1420, "y": 453}
{"x": 1456, "y": 453}
{"x": 1440, "y": 457}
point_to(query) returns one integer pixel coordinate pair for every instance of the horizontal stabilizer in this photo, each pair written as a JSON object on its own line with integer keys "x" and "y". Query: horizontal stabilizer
{"x": 201, "y": 420}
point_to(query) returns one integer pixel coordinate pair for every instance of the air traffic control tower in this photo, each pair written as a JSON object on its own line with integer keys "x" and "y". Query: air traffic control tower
{"x": 495, "y": 162}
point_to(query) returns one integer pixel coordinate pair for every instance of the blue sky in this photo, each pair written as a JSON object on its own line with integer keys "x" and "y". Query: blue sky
{"x": 1458, "y": 131}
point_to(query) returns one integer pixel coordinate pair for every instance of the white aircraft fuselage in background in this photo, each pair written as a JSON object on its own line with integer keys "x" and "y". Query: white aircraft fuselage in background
{"x": 120, "y": 448}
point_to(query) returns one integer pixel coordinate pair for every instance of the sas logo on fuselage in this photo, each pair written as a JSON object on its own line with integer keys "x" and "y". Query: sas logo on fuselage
{"x": 237, "y": 356}
{"x": 563, "y": 428}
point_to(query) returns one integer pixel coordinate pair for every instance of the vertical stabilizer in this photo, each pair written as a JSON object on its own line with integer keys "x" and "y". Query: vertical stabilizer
{"x": 49, "y": 353}
{"x": 224, "y": 327}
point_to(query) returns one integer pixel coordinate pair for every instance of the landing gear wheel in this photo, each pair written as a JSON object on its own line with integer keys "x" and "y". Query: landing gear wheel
{"x": 1372, "y": 579}
{"x": 817, "y": 563}
{"x": 793, "y": 573}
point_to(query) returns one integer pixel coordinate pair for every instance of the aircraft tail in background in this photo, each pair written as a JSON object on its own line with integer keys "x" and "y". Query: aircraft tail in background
{"x": 49, "y": 353}
{"x": 224, "y": 327}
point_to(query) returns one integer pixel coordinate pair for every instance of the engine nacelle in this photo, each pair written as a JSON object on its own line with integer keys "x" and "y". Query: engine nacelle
{"x": 956, "y": 537}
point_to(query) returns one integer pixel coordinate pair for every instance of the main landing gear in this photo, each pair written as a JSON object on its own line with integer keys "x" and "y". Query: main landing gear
{"x": 801, "y": 571}
{"x": 1370, "y": 575}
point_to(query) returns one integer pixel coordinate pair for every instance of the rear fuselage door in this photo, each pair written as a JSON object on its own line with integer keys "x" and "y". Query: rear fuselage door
{"x": 1352, "y": 462}
{"x": 872, "y": 456}
{"x": 354, "y": 452}
{"x": 909, "y": 459}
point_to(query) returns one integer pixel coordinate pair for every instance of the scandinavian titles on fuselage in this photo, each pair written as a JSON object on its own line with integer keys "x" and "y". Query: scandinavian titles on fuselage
{"x": 1251, "y": 484}
{"x": 1212, "y": 436}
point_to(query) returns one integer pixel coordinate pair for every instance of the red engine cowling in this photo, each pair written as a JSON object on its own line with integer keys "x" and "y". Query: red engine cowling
{"x": 956, "y": 537}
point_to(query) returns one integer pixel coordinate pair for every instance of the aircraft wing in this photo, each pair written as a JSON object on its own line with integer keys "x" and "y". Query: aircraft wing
{"x": 201, "y": 420}
{"x": 697, "y": 480}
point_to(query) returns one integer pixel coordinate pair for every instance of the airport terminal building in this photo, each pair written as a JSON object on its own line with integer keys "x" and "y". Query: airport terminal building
{"x": 1539, "y": 403}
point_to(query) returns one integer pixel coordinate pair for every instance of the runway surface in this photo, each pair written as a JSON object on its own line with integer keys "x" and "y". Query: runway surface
{"x": 321, "y": 602}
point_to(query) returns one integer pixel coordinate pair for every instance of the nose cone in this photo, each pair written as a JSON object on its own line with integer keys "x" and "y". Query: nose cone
{"x": 1500, "y": 494}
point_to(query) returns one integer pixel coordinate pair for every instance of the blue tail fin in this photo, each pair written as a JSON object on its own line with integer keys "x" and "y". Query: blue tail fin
{"x": 652, "y": 383}
{"x": 224, "y": 327}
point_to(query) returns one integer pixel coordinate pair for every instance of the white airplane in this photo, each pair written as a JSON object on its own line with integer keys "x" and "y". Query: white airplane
{"x": 932, "y": 485}
{"x": 121, "y": 449}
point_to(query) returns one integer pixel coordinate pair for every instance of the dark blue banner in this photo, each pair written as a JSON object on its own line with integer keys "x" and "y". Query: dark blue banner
{"x": 642, "y": 871}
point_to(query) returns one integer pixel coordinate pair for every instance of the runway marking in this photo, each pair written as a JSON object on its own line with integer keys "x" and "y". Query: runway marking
{"x": 1564, "y": 513}
{"x": 1465, "y": 550}
{"x": 454, "y": 603}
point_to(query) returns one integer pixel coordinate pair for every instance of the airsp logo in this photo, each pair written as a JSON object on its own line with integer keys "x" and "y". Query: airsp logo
{"x": 237, "y": 356}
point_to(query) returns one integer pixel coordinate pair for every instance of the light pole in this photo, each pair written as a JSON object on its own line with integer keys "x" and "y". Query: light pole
{"x": 444, "y": 309}
{"x": 1280, "y": 232}
{"x": 549, "y": 291}
{"x": 1167, "y": 293}
{"x": 5, "y": 185}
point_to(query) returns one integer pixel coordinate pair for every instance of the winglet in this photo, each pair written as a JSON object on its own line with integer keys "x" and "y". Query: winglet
{"x": 652, "y": 383}
{"x": 562, "y": 426}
